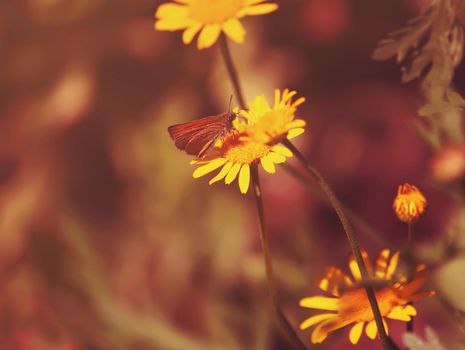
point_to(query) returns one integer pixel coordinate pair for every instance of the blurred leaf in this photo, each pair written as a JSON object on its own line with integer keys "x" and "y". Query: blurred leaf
{"x": 431, "y": 46}
{"x": 400, "y": 41}
{"x": 418, "y": 66}
{"x": 414, "y": 342}
{"x": 455, "y": 98}
{"x": 451, "y": 287}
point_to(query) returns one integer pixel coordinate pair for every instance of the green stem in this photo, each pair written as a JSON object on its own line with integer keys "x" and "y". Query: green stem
{"x": 232, "y": 72}
{"x": 410, "y": 239}
{"x": 270, "y": 277}
{"x": 387, "y": 343}
{"x": 271, "y": 280}
{"x": 411, "y": 267}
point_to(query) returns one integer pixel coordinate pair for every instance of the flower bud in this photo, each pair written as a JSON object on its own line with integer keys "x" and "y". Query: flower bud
{"x": 409, "y": 203}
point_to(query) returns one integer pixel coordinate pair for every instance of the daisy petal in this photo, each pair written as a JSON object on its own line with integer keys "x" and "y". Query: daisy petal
{"x": 392, "y": 265}
{"x": 209, "y": 167}
{"x": 268, "y": 164}
{"x": 356, "y": 332}
{"x": 334, "y": 280}
{"x": 244, "y": 178}
{"x": 399, "y": 314}
{"x": 295, "y": 132}
{"x": 190, "y": 32}
{"x": 296, "y": 123}
{"x": 232, "y": 173}
{"x": 282, "y": 150}
{"x": 221, "y": 174}
{"x": 253, "y": 2}
{"x": 367, "y": 261}
{"x": 314, "y": 320}
{"x": 323, "y": 329}
{"x": 410, "y": 310}
{"x": 277, "y": 158}
{"x": 299, "y": 101}
{"x": 208, "y": 36}
{"x": 422, "y": 295}
{"x": 382, "y": 263}
{"x": 172, "y": 24}
{"x": 371, "y": 330}
{"x": 320, "y": 303}
{"x": 277, "y": 97}
{"x": 354, "y": 269}
{"x": 287, "y": 95}
{"x": 234, "y": 29}
{"x": 413, "y": 286}
{"x": 261, "y": 9}
{"x": 171, "y": 11}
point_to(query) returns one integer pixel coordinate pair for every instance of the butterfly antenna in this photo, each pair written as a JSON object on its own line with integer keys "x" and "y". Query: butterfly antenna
{"x": 230, "y": 100}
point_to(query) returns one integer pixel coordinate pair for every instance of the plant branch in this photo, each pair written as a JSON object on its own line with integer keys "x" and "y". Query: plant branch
{"x": 411, "y": 267}
{"x": 284, "y": 324}
{"x": 270, "y": 277}
{"x": 387, "y": 343}
{"x": 232, "y": 72}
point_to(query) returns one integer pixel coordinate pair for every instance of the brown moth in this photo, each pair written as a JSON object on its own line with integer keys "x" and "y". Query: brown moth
{"x": 198, "y": 137}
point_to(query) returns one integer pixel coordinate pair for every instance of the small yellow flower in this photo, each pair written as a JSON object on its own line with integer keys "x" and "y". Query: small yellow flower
{"x": 255, "y": 139}
{"x": 236, "y": 155}
{"x": 409, "y": 203}
{"x": 273, "y": 124}
{"x": 210, "y": 18}
{"x": 350, "y": 304}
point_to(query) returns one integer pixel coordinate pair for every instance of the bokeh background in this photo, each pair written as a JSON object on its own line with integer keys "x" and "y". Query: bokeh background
{"x": 106, "y": 241}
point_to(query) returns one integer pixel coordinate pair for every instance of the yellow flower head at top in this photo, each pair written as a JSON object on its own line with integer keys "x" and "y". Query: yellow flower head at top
{"x": 255, "y": 140}
{"x": 210, "y": 18}
{"x": 409, "y": 203}
{"x": 350, "y": 305}
{"x": 273, "y": 124}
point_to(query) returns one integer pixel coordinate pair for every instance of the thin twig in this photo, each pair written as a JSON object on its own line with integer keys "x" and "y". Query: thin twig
{"x": 285, "y": 326}
{"x": 410, "y": 238}
{"x": 227, "y": 58}
{"x": 387, "y": 342}
{"x": 411, "y": 267}
{"x": 270, "y": 277}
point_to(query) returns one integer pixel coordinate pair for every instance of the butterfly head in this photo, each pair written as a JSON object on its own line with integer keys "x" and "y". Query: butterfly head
{"x": 230, "y": 116}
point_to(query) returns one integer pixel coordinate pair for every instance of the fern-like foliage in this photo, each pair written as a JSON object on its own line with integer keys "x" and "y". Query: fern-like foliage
{"x": 429, "y": 48}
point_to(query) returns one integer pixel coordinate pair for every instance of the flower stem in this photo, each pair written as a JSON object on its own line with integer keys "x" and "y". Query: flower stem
{"x": 231, "y": 70}
{"x": 410, "y": 238}
{"x": 270, "y": 277}
{"x": 271, "y": 280}
{"x": 411, "y": 267}
{"x": 387, "y": 343}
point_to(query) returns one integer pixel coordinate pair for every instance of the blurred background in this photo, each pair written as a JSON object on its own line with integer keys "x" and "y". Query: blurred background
{"x": 106, "y": 241}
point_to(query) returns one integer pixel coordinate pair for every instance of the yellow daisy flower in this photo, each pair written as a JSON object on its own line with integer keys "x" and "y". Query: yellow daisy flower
{"x": 273, "y": 124}
{"x": 350, "y": 304}
{"x": 236, "y": 155}
{"x": 210, "y": 18}
{"x": 409, "y": 203}
{"x": 257, "y": 132}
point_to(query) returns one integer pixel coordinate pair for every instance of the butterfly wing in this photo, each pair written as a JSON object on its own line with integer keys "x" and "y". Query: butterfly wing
{"x": 198, "y": 136}
{"x": 204, "y": 140}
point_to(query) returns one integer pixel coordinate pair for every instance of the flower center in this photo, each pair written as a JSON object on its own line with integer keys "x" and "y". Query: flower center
{"x": 355, "y": 305}
{"x": 214, "y": 11}
{"x": 247, "y": 153}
